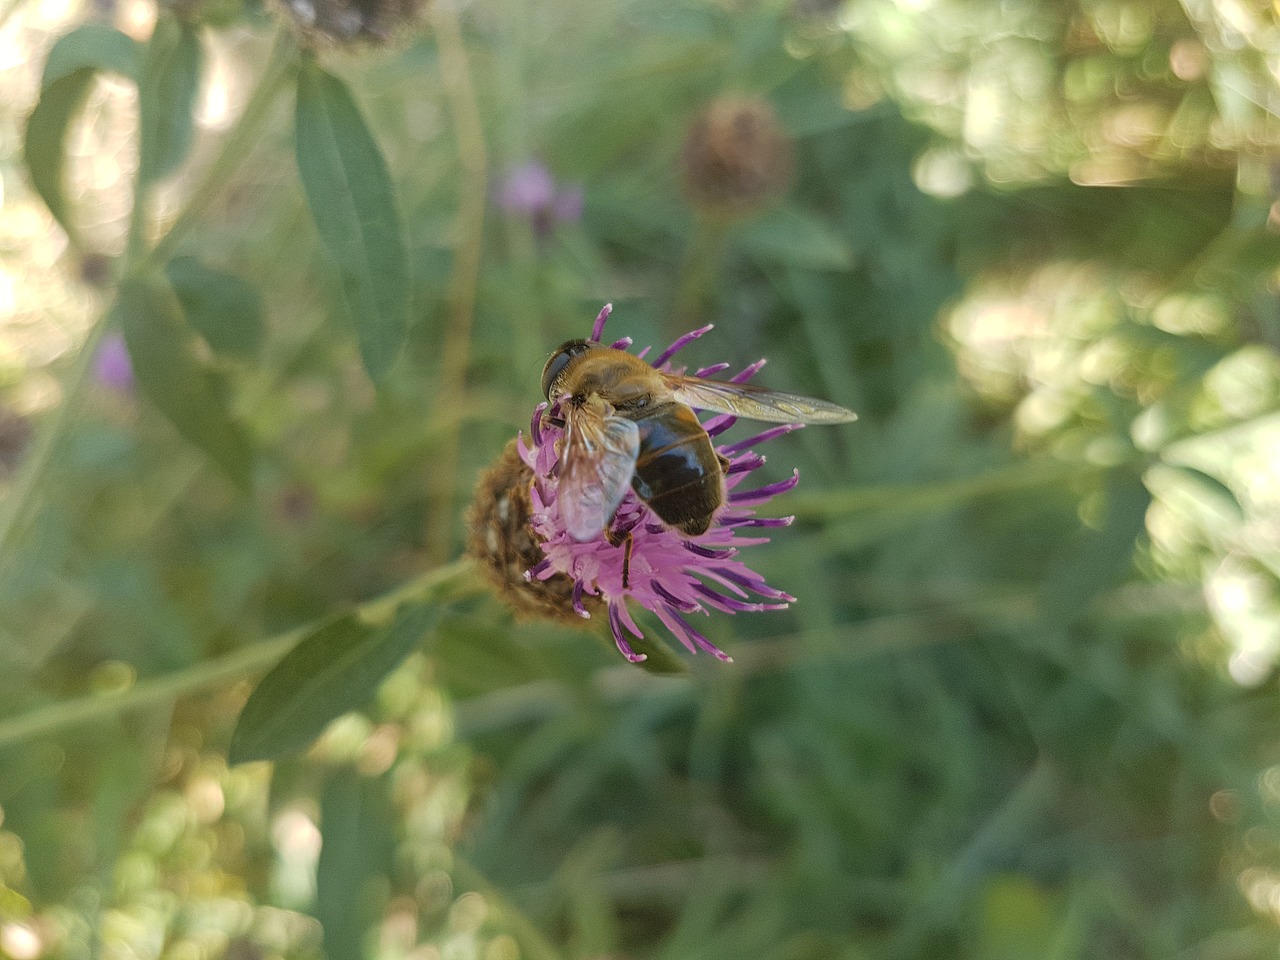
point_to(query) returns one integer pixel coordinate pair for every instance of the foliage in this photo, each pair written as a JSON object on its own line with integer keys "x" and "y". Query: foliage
{"x": 1024, "y": 705}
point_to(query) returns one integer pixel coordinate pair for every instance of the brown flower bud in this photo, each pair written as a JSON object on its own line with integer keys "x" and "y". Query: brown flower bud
{"x": 736, "y": 156}
{"x": 344, "y": 22}
{"x": 499, "y": 537}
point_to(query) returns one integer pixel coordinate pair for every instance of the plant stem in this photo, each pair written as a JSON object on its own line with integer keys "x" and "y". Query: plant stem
{"x": 58, "y": 717}
{"x": 455, "y": 350}
{"x": 22, "y": 499}
{"x": 830, "y": 504}
{"x": 450, "y": 581}
{"x": 698, "y": 275}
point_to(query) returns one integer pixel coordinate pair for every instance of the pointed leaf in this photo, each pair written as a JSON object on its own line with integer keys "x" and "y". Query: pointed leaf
{"x": 332, "y": 670}
{"x": 43, "y": 146}
{"x": 68, "y": 74}
{"x": 221, "y": 307}
{"x": 93, "y": 46}
{"x": 166, "y": 98}
{"x": 1099, "y": 559}
{"x": 123, "y": 776}
{"x": 174, "y": 379}
{"x": 658, "y": 657}
{"x": 1212, "y": 490}
{"x": 472, "y": 657}
{"x": 350, "y": 195}
{"x": 358, "y": 848}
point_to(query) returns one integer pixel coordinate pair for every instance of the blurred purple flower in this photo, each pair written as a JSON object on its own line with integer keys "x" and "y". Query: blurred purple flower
{"x": 567, "y": 206}
{"x": 531, "y": 191}
{"x": 671, "y": 573}
{"x": 112, "y": 367}
{"x": 527, "y": 189}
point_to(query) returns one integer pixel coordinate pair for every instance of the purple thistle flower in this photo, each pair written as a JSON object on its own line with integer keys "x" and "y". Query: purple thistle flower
{"x": 566, "y": 207}
{"x": 530, "y": 190}
{"x": 112, "y": 367}
{"x": 670, "y": 573}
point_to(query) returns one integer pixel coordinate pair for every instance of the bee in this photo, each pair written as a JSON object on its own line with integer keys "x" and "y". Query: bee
{"x": 630, "y": 425}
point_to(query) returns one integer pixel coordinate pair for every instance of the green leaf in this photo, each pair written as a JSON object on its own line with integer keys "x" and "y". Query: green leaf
{"x": 1209, "y": 489}
{"x": 798, "y": 238}
{"x": 123, "y": 776}
{"x": 221, "y": 307}
{"x": 43, "y": 145}
{"x": 357, "y": 851}
{"x": 1100, "y": 559}
{"x": 93, "y": 46}
{"x": 352, "y": 201}
{"x": 166, "y": 99}
{"x": 175, "y": 380}
{"x": 68, "y": 74}
{"x": 473, "y": 656}
{"x": 332, "y": 670}
{"x": 659, "y": 657}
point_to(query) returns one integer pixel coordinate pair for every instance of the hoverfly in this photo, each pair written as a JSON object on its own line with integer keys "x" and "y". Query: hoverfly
{"x": 630, "y": 425}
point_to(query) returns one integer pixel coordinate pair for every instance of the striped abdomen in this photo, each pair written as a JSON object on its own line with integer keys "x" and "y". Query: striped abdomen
{"x": 677, "y": 472}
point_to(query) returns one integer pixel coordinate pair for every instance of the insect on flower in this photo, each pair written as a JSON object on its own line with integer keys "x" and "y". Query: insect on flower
{"x": 628, "y": 495}
{"x": 630, "y": 424}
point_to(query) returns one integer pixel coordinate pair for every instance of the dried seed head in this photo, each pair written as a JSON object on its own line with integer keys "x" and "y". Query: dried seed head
{"x": 346, "y": 22}
{"x": 736, "y": 156}
{"x": 501, "y": 538}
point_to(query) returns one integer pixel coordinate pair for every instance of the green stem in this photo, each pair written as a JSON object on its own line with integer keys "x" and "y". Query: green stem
{"x": 22, "y": 499}
{"x": 455, "y": 349}
{"x": 279, "y": 70}
{"x": 450, "y": 581}
{"x": 699, "y": 274}
{"x": 830, "y": 504}
{"x": 68, "y": 714}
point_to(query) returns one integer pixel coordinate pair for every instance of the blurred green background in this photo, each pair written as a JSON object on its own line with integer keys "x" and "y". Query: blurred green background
{"x": 1026, "y": 704}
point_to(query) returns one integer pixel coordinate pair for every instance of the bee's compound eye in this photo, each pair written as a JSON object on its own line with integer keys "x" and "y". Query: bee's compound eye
{"x": 559, "y": 360}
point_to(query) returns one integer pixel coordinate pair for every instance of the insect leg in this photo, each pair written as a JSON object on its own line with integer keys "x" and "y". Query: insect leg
{"x": 626, "y": 561}
{"x": 627, "y": 542}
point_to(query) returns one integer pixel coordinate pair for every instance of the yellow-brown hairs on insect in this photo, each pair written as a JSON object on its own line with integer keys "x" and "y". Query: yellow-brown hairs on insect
{"x": 500, "y": 539}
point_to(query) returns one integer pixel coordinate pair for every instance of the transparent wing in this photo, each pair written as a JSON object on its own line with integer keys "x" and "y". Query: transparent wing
{"x": 599, "y": 458}
{"x": 755, "y": 403}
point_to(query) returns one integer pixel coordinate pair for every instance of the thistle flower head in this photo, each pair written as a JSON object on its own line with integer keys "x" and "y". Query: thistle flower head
{"x": 672, "y": 574}
{"x": 736, "y": 157}
{"x": 530, "y": 191}
{"x": 111, "y": 366}
{"x": 350, "y": 22}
